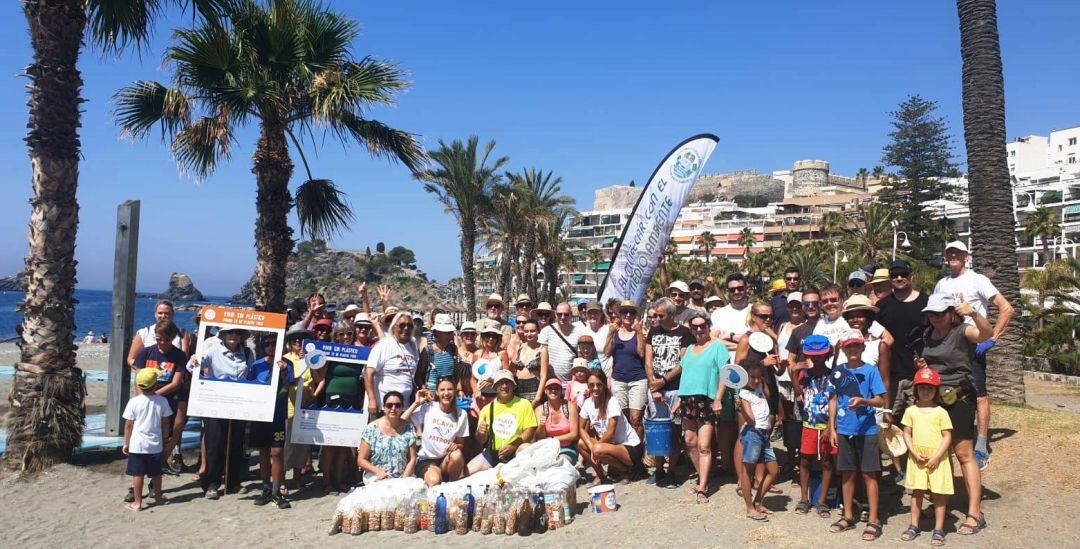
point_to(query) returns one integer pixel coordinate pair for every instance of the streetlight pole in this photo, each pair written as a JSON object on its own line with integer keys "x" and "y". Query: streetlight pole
{"x": 836, "y": 259}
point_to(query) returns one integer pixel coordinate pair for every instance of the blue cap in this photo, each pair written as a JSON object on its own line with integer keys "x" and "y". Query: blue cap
{"x": 816, "y": 345}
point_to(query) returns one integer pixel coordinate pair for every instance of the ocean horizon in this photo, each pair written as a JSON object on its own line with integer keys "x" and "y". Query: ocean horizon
{"x": 93, "y": 312}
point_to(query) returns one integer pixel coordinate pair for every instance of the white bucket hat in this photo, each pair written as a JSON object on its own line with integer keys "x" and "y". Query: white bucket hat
{"x": 443, "y": 323}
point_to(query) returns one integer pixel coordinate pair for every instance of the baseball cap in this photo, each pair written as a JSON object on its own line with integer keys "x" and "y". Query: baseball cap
{"x": 713, "y": 299}
{"x": 926, "y": 376}
{"x": 679, "y": 285}
{"x": 794, "y": 297}
{"x": 899, "y": 265}
{"x": 593, "y": 306}
{"x": 324, "y": 323}
{"x": 777, "y": 285}
{"x": 939, "y": 302}
{"x": 816, "y": 345}
{"x": 956, "y": 245}
{"x": 858, "y": 275}
{"x": 697, "y": 282}
{"x": 851, "y": 337}
{"x": 147, "y": 378}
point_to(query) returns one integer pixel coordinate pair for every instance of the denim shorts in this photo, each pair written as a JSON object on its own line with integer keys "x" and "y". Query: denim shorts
{"x": 755, "y": 446}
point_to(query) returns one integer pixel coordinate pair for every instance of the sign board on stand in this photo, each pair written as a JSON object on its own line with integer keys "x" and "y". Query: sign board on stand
{"x": 235, "y": 395}
{"x": 328, "y": 425}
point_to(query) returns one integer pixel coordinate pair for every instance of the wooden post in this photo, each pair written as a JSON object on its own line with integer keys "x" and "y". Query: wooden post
{"x": 125, "y": 264}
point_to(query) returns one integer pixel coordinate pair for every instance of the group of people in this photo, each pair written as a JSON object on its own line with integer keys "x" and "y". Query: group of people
{"x": 446, "y": 401}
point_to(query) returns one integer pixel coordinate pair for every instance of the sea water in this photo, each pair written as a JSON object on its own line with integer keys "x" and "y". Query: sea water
{"x": 93, "y": 312}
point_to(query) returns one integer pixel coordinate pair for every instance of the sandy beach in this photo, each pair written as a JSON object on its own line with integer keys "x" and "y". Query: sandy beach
{"x": 1031, "y": 487}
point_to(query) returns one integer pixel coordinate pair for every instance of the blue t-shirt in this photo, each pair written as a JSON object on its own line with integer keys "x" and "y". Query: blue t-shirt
{"x": 262, "y": 371}
{"x": 865, "y": 382}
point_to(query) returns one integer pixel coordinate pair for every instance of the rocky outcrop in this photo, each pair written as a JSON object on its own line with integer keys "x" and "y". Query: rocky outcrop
{"x": 15, "y": 283}
{"x": 337, "y": 273}
{"x": 181, "y": 289}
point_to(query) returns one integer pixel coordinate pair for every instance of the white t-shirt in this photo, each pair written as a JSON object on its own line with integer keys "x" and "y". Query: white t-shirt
{"x": 623, "y": 433}
{"x": 599, "y": 338}
{"x": 758, "y": 406}
{"x": 149, "y": 338}
{"x": 146, "y": 412}
{"x": 970, "y": 287}
{"x": 438, "y": 429}
{"x": 394, "y": 364}
{"x": 560, "y": 355}
{"x": 728, "y": 320}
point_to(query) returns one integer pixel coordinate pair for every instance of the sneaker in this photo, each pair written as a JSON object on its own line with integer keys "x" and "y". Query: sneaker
{"x": 662, "y": 480}
{"x": 653, "y": 480}
{"x": 130, "y": 497}
{"x": 170, "y": 469}
{"x": 264, "y": 498}
{"x": 176, "y": 463}
{"x": 281, "y": 502}
{"x": 983, "y": 459}
{"x": 898, "y": 478}
{"x": 213, "y": 493}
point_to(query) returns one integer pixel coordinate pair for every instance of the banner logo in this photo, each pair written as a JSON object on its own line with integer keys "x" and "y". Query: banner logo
{"x": 686, "y": 166}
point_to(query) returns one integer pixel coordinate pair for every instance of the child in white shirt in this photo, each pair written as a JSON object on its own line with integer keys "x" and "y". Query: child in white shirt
{"x": 147, "y": 417}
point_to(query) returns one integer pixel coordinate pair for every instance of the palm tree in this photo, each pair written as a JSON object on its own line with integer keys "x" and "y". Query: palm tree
{"x": 747, "y": 241}
{"x": 504, "y": 227}
{"x": 461, "y": 180}
{"x": 1043, "y": 224}
{"x": 595, "y": 256}
{"x": 47, "y": 416}
{"x": 989, "y": 191}
{"x": 832, "y": 223}
{"x": 708, "y": 241}
{"x": 286, "y": 66}
{"x": 543, "y": 202}
{"x": 554, "y": 249}
{"x": 871, "y": 237}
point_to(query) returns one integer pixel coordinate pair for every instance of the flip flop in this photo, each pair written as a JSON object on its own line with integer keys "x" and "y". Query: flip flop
{"x": 701, "y": 497}
{"x": 763, "y": 509}
{"x": 775, "y": 490}
{"x": 759, "y": 518}
{"x": 132, "y": 507}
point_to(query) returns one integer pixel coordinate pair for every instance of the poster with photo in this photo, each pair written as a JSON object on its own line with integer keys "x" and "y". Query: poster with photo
{"x": 339, "y": 419}
{"x": 233, "y": 373}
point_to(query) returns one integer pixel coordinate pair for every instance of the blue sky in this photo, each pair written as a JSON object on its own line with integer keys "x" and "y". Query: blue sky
{"x": 596, "y": 91}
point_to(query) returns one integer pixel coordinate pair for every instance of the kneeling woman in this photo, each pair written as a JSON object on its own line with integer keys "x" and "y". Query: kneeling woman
{"x": 606, "y": 436}
{"x": 443, "y": 430}
{"x": 558, "y": 419}
{"x": 388, "y": 444}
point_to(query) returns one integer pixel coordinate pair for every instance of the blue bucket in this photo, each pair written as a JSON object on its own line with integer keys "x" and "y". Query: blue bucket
{"x": 832, "y": 494}
{"x": 659, "y": 437}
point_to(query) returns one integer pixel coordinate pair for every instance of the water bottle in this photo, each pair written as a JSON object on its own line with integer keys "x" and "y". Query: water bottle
{"x": 540, "y": 518}
{"x": 470, "y": 504}
{"x": 441, "y": 524}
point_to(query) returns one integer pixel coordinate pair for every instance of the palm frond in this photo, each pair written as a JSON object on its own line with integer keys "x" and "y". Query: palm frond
{"x": 199, "y": 147}
{"x": 114, "y": 25}
{"x": 141, "y": 106}
{"x": 380, "y": 139}
{"x": 322, "y": 208}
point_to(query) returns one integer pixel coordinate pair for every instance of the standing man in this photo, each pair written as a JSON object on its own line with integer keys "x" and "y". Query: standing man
{"x": 598, "y": 328}
{"x": 792, "y": 284}
{"x": 901, "y": 314}
{"x": 522, "y": 306}
{"x": 880, "y": 285}
{"x": 561, "y": 339}
{"x": 967, "y": 286}
{"x": 730, "y": 322}
{"x": 664, "y": 348}
{"x": 697, "y": 295}
{"x": 679, "y": 293}
{"x": 494, "y": 307}
{"x": 811, "y": 306}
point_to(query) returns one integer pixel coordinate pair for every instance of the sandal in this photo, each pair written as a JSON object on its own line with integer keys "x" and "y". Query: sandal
{"x": 760, "y": 517}
{"x": 823, "y": 511}
{"x": 842, "y": 525}
{"x": 966, "y": 529}
{"x": 938, "y": 538}
{"x": 133, "y": 507}
{"x": 774, "y": 490}
{"x": 803, "y": 507}
{"x": 160, "y": 501}
{"x": 911, "y": 533}
{"x": 701, "y": 496}
{"x": 872, "y": 531}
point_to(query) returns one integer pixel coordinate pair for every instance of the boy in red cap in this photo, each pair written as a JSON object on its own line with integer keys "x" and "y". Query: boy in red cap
{"x": 855, "y": 432}
{"x": 928, "y": 434}
{"x": 811, "y": 380}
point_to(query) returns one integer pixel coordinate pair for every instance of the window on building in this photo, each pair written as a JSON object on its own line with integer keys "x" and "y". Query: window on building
{"x": 1072, "y": 141}
{"x": 1071, "y": 159}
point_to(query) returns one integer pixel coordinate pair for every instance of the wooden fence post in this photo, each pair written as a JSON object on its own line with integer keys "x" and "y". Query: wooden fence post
{"x": 125, "y": 265}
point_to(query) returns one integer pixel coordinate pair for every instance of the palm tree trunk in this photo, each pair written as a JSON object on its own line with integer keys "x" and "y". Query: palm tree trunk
{"x": 47, "y": 414}
{"x": 992, "y": 225}
{"x": 551, "y": 275}
{"x": 468, "y": 275}
{"x": 273, "y": 236}
{"x": 528, "y": 282}
{"x": 504, "y": 270}
{"x": 1046, "y": 251}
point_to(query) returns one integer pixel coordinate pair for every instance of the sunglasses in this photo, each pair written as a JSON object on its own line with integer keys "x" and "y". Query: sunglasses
{"x": 811, "y": 304}
{"x": 556, "y": 388}
{"x": 495, "y": 306}
{"x": 827, "y": 301}
{"x": 792, "y": 278}
{"x": 900, "y": 275}
{"x": 736, "y": 289}
{"x": 699, "y": 326}
{"x": 322, "y": 329}
{"x": 678, "y": 294}
{"x": 628, "y": 313}
{"x": 763, "y": 316}
{"x": 393, "y": 405}
{"x": 405, "y": 326}
{"x": 562, "y": 315}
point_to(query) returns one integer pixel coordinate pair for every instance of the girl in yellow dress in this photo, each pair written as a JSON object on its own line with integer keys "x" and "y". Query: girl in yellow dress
{"x": 928, "y": 433}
